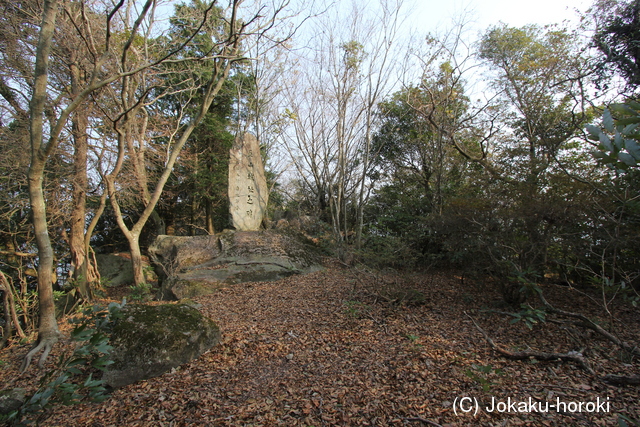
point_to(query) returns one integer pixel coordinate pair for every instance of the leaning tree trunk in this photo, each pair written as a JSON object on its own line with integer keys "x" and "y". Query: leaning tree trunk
{"x": 48, "y": 328}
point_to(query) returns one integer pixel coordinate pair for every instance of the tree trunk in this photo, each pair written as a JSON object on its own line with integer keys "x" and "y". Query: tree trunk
{"x": 136, "y": 258}
{"x": 79, "y": 194}
{"x": 48, "y": 327}
{"x": 48, "y": 332}
{"x": 209, "y": 220}
{"x": 361, "y": 197}
{"x": 229, "y": 53}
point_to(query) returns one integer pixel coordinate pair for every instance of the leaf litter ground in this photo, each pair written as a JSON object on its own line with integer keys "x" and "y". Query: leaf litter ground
{"x": 347, "y": 347}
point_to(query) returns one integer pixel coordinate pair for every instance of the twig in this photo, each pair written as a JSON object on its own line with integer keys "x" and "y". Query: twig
{"x": 523, "y": 355}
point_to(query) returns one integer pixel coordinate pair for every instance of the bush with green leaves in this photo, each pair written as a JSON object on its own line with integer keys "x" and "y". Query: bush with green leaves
{"x": 619, "y": 137}
{"x": 71, "y": 380}
{"x": 618, "y": 147}
{"x": 529, "y": 316}
{"x": 141, "y": 292}
{"x": 355, "y": 309}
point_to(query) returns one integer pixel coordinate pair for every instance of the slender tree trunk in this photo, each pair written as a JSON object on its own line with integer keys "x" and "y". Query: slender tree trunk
{"x": 91, "y": 270}
{"x": 192, "y": 221}
{"x": 209, "y": 212}
{"x": 136, "y": 258}
{"x": 365, "y": 168}
{"x": 79, "y": 259}
{"x": 48, "y": 332}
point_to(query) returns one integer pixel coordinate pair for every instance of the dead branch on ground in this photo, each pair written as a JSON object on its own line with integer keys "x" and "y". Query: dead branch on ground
{"x": 621, "y": 380}
{"x": 571, "y": 356}
{"x": 585, "y": 322}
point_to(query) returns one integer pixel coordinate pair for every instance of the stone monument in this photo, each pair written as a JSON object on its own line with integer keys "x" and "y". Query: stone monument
{"x": 248, "y": 191}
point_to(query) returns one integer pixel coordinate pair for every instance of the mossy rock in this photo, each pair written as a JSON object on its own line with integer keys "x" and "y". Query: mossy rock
{"x": 150, "y": 340}
{"x": 197, "y": 282}
{"x": 189, "y": 286}
{"x": 11, "y": 400}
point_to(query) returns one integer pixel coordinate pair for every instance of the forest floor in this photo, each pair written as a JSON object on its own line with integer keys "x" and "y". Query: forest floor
{"x": 340, "y": 347}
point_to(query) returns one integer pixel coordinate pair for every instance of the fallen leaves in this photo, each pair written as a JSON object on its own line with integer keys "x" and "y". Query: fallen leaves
{"x": 296, "y": 353}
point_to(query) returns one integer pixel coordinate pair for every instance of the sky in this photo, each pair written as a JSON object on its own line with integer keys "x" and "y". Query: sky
{"x": 433, "y": 14}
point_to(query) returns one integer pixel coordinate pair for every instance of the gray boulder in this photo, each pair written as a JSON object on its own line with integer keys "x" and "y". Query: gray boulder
{"x": 11, "y": 400}
{"x": 199, "y": 265}
{"x": 150, "y": 340}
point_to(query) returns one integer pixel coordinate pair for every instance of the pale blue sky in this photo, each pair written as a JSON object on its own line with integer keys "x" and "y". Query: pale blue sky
{"x": 431, "y": 14}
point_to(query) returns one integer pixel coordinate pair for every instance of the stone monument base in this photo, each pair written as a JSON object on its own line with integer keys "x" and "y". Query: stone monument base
{"x": 200, "y": 265}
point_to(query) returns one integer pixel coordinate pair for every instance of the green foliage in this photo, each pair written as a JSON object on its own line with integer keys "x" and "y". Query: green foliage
{"x": 187, "y": 18}
{"x": 71, "y": 380}
{"x": 415, "y": 345}
{"x": 419, "y": 168}
{"x": 197, "y": 193}
{"x": 353, "y": 54}
{"x": 529, "y": 315}
{"x": 618, "y": 138}
{"x": 532, "y": 63}
{"x": 412, "y": 338}
{"x": 483, "y": 375}
{"x": 615, "y": 271}
{"x": 409, "y": 297}
{"x": 617, "y": 38}
{"x": 141, "y": 292}
{"x": 624, "y": 421}
{"x": 435, "y": 206}
{"x": 629, "y": 294}
{"x": 527, "y": 281}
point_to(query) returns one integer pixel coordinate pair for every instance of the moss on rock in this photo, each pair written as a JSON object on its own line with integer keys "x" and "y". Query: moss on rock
{"x": 150, "y": 340}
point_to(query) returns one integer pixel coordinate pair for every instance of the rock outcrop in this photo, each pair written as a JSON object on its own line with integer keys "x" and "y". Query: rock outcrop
{"x": 192, "y": 266}
{"x": 150, "y": 340}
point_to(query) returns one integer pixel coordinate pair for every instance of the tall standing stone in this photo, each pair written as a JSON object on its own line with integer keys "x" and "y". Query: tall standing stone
{"x": 248, "y": 191}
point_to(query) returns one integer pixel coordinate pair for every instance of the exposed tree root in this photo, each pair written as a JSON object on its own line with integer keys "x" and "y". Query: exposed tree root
{"x": 538, "y": 355}
{"x": 46, "y": 345}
